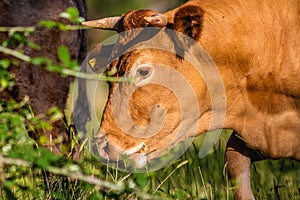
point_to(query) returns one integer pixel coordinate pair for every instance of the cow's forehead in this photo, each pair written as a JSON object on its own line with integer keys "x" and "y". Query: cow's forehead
{"x": 140, "y": 46}
{"x": 161, "y": 46}
{"x": 146, "y": 38}
{"x": 141, "y": 57}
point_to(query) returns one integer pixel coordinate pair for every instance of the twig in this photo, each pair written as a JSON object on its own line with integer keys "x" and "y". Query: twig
{"x": 89, "y": 179}
{"x": 99, "y": 77}
{"x": 17, "y": 29}
{"x": 65, "y": 71}
{"x": 15, "y": 54}
{"x": 15, "y": 161}
{"x": 33, "y": 28}
{"x": 65, "y": 172}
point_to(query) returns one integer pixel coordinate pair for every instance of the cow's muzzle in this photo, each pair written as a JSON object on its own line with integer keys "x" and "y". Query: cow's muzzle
{"x": 110, "y": 152}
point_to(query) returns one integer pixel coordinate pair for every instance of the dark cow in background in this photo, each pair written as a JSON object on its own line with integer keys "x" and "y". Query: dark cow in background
{"x": 45, "y": 89}
{"x": 255, "y": 45}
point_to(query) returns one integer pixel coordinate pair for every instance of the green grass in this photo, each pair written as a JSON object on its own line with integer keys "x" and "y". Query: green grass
{"x": 187, "y": 178}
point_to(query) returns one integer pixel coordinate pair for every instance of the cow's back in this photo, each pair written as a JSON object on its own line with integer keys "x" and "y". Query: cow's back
{"x": 259, "y": 38}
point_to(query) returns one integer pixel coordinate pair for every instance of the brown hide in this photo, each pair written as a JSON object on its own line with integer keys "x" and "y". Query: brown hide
{"x": 255, "y": 45}
{"x": 45, "y": 89}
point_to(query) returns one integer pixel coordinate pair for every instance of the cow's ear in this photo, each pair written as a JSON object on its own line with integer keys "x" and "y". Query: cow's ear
{"x": 188, "y": 20}
{"x": 143, "y": 18}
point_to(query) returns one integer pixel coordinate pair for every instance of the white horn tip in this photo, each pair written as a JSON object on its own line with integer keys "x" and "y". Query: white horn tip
{"x": 109, "y": 23}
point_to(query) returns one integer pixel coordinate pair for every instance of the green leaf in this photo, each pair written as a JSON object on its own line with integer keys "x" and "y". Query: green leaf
{"x": 19, "y": 37}
{"x": 4, "y": 83}
{"x": 73, "y": 12}
{"x": 47, "y": 24}
{"x": 41, "y": 60}
{"x": 74, "y": 65}
{"x": 54, "y": 68}
{"x": 64, "y": 55}
{"x": 5, "y": 63}
{"x": 72, "y": 15}
{"x": 55, "y": 114}
{"x": 62, "y": 27}
{"x": 34, "y": 45}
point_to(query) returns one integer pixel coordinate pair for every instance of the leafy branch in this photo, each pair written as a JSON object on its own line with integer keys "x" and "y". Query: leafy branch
{"x": 64, "y": 57}
{"x": 66, "y": 67}
{"x": 20, "y": 156}
{"x": 71, "y": 171}
{"x": 71, "y": 14}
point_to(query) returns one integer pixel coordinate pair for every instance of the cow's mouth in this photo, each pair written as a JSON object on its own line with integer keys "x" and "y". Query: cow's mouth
{"x": 140, "y": 157}
{"x": 111, "y": 153}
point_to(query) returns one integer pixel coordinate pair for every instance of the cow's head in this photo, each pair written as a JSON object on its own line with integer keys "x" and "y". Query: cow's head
{"x": 165, "y": 94}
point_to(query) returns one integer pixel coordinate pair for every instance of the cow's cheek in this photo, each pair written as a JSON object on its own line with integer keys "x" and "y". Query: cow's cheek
{"x": 141, "y": 102}
{"x": 147, "y": 98}
{"x": 114, "y": 141}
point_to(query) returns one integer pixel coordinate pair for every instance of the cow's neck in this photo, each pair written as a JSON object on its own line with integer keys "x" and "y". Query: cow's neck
{"x": 255, "y": 85}
{"x": 223, "y": 44}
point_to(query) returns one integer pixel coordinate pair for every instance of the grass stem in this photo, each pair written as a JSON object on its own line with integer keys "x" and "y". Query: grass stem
{"x": 202, "y": 179}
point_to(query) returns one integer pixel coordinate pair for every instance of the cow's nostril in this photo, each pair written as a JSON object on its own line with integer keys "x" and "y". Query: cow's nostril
{"x": 102, "y": 146}
{"x": 103, "y": 151}
{"x": 106, "y": 148}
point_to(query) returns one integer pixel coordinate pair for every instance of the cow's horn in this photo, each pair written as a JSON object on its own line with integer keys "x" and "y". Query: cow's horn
{"x": 109, "y": 23}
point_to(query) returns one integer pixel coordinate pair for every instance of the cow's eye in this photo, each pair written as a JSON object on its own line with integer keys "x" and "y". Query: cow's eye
{"x": 143, "y": 74}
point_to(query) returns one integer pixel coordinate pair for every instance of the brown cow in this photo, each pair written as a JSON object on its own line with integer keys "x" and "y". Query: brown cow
{"x": 255, "y": 45}
{"x": 45, "y": 89}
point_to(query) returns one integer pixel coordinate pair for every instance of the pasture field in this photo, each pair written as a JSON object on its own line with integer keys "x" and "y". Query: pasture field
{"x": 186, "y": 178}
